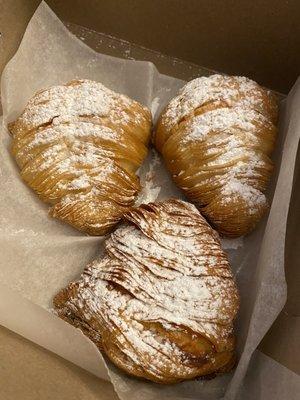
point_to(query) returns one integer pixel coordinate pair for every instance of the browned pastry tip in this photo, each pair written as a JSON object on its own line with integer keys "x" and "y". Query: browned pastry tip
{"x": 78, "y": 147}
{"x": 216, "y": 138}
{"x": 162, "y": 301}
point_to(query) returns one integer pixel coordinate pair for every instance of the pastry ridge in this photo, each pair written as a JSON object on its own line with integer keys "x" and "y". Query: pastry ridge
{"x": 78, "y": 146}
{"x": 162, "y": 300}
{"x": 216, "y": 138}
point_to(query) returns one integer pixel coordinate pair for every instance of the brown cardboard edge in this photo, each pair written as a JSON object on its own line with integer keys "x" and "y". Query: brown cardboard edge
{"x": 14, "y": 17}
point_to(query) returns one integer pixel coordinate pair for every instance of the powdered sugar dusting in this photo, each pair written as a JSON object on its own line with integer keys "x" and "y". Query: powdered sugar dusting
{"x": 217, "y": 136}
{"x": 150, "y": 190}
{"x": 253, "y": 197}
{"x": 164, "y": 270}
{"x": 78, "y": 98}
{"x": 215, "y": 88}
{"x": 154, "y": 106}
{"x": 78, "y": 146}
{"x": 224, "y": 119}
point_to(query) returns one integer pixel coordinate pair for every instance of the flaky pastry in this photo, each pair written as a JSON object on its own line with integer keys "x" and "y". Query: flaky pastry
{"x": 216, "y": 138}
{"x": 78, "y": 147}
{"x": 162, "y": 300}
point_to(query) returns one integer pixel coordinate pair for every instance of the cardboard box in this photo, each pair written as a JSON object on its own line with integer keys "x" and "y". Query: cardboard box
{"x": 258, "y": 40}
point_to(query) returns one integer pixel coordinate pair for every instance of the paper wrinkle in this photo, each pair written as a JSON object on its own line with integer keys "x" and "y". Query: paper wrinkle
{"x": 40, "y": 255}
{"x": 65, "y": 340}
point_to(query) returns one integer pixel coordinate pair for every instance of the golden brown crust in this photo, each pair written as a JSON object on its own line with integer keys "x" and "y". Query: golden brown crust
{"x": 216, "y": 137}
{"x": 162, "y": 301}
{"x": 78, "y": 147}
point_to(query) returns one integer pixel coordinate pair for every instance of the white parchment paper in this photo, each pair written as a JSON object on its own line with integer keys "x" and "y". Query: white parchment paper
{"x": 40, "y": 255}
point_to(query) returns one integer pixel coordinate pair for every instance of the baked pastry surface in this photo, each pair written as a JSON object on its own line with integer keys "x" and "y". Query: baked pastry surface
{"x": 216, "y": 138}
{"x": 78, "y": 147}
{"x": 162, "y": 300}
